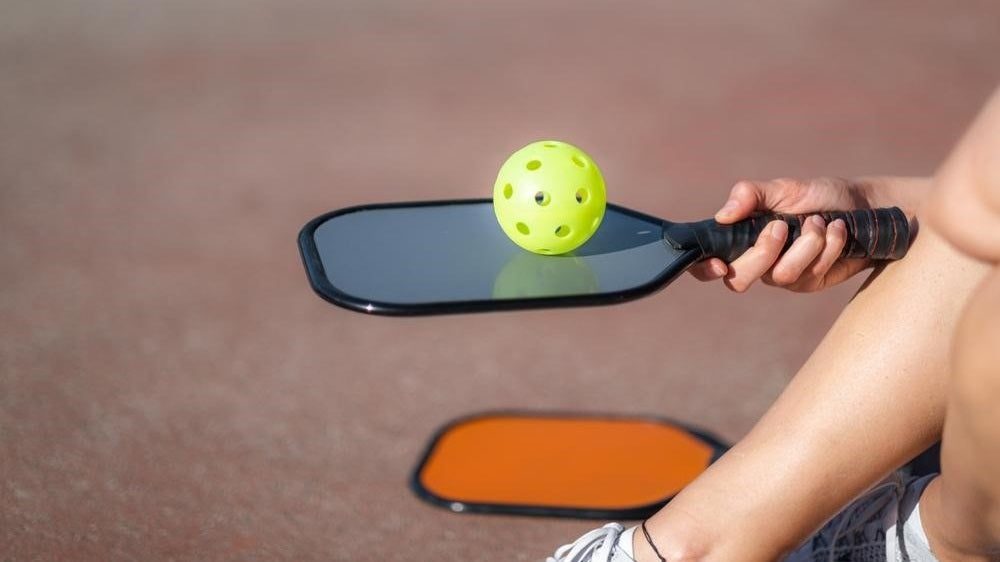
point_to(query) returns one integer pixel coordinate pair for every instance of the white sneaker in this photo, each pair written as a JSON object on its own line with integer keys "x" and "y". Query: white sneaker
{"x": 610, "y": 543}
{"x": 878, "y": 527}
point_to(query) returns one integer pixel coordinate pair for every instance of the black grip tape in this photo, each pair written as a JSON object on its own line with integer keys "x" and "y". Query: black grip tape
{"x": 880, "y": 234}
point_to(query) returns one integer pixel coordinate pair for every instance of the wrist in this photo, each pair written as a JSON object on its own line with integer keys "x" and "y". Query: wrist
{"x": 907, "y": 193}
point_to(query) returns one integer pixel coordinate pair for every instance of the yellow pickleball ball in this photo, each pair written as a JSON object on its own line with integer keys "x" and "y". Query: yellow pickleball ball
{"x": 549, "y": 197}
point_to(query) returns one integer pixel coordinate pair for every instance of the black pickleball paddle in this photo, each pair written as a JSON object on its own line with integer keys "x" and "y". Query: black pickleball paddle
{"x": 440, "y": 257}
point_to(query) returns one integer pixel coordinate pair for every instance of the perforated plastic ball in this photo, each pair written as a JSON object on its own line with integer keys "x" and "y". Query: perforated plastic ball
{"x": 549, "y": 197}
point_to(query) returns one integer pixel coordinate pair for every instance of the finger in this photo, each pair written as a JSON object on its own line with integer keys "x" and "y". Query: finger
{"x": 748, "y": 196}
{"x": 744, "y": 198}
{"x": 749, "y": 267}
{"x": 801, "y": 254}
{"x": 842, "y": 270}
{"x": 709, "y": 270}
{"x": 836, "y": 238}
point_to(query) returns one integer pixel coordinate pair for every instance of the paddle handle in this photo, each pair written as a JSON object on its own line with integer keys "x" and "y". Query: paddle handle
{"x": 880, "y": 234}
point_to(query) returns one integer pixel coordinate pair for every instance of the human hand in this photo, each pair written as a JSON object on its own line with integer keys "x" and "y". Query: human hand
{"x": 813, "y": 260}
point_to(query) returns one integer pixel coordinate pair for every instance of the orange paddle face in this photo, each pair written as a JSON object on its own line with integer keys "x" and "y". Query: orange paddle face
{"x": 562, "y": 465}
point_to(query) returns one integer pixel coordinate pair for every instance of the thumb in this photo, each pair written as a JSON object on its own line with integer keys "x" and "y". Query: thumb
{"x": 745, "y": 198}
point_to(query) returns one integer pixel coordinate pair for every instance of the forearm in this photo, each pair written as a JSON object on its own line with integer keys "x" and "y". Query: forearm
{"x": 870, "y": 397}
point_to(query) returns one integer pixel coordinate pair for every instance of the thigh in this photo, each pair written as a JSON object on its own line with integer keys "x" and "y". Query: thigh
{"x": 975, "y": 387}
{"x": 963, "y": 514}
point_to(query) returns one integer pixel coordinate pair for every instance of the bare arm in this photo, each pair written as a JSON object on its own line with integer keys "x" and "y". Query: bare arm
{"x": 870, "y": 397}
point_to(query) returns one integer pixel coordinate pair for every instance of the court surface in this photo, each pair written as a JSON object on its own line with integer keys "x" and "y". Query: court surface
{"x": 171, "y": 389}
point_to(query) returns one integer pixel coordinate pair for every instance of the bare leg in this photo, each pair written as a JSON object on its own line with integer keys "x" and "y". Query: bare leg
{"x": 870, "y": 397}
{"x": 961, "y": 508}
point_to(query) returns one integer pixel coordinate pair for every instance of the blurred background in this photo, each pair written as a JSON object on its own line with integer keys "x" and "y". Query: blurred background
{"x": 170, "y": 387}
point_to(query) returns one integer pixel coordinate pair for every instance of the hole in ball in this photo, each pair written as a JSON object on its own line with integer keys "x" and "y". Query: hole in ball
{"x": 523, "y": 228}
{"x": 542, "y": 198}
{"x": 562, "y": 231}
{"x": 550, "y": 145}
{"x": 582, "y": 196}
{"x": 534, "y": 165}
{"x": 578, "y": 161}
{"x": 508, "y": 191}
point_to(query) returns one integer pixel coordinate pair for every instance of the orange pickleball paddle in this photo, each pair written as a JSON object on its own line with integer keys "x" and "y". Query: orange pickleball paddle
{"x": 559, "y": 464}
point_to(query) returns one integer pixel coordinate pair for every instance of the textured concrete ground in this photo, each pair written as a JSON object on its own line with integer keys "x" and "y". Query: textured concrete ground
{"x": 171, "y": 389}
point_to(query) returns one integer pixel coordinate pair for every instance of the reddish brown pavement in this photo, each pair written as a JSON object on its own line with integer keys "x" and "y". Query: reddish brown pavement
{"x": 171, "y": 389}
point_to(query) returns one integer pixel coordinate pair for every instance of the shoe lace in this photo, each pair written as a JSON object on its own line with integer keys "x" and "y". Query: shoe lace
{"x": 594, "y": 546}
{"x": 860, "y": 526}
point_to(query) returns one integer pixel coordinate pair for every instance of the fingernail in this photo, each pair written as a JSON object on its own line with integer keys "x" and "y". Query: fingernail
{"x": 817, "y": 220}
{"x": 779, "y": 230}
{"x": 838, "y": 223}
{"x": 719, "y": 270}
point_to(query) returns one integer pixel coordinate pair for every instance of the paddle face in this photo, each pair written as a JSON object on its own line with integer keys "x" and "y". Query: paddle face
{"x": 452, "y": 256}
{"x": 569, "y": 465}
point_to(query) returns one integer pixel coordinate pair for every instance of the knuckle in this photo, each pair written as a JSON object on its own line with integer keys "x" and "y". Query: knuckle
{"x": 737, "y": 285}
{"x": 739, "y": 288}
{"x": 797, "y": 285}
{"x": 812, "y": 237}
{"x": 791, "y": 182}
{"x": 819, "y": 270}
{"x": 743, "y": 189}
{"x": 823, "y": 182}
{"x": 837, "y": 235}
{"x": 769, "y": 250}
{"x": 781, "y": 280}
{"x": 810, "y": 233}
{"x": 783, "y": 276}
